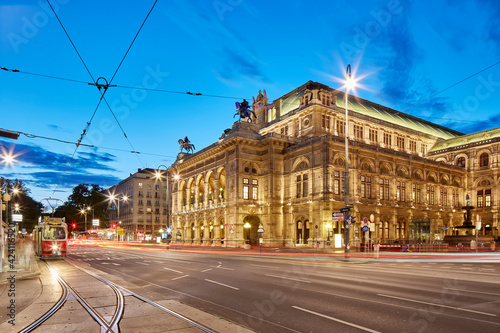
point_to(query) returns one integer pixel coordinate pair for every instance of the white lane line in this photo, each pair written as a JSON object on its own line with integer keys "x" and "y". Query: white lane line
{"x": 475, "y": 292}
{"x": 173, "y": 270}
{"x": 337, "y": 320}
{"x": 206, "y": 270}
{"x": 142, "y": 263}
{"x": 104, "y": 263}
{"x": 264, "y": 266}
{"x": 287, "y": 278}
{"x": 222, "y": 284}
{"x": 158, "y": 262}
{"x": 229, "y": 269}
{"x": 115, "y": 264}
{"x": 180, "y": 277}
{"x": 441, "y": 305}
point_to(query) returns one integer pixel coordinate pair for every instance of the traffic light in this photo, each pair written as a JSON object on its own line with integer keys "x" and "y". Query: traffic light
{"x": 114, "y": 225}
{"x": 74, "y": 225}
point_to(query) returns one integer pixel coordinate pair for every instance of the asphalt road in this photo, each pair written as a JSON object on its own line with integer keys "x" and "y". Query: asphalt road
{"x": 314, "y": 294}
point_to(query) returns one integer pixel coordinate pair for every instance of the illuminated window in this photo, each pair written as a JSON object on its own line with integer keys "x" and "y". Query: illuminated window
{"x": 245, "y": 192}
{"x": 430, "y": 195}
{"x": 384, "y": 189}
{"x": 401, "y": 191}
{"x": 444, "y": 196}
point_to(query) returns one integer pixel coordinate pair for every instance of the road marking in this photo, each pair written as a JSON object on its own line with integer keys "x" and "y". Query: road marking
{"x": 264, "y": 266}
{"x": 229, "y": 269}
{"x": 142, "y": 263}
{"x": 104, "y": 263}
{"x": 173, "y": 270}
{"x": 441, "y": 305}
{"x": 180, "y": 277}
{"x": 206, "y": 270}
{"x": 222, "y": 284}
{"x": 337, "y": 320}
{"x": 158, "y": 262}
{"x": 114, "y": 263}
{"x": 475, "y": 292}
{"x": 287, "y": 278}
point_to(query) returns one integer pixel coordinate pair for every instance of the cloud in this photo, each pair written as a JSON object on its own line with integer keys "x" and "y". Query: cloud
{"x": 238, "y": 65}
{"x": 32, "y": 156}
{"x": 46, "y": 179}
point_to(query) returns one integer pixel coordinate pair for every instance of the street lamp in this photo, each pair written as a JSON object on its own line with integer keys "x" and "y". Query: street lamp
{"x": 349, "y": 83}
{"x": 247, "y": 227}
{"x": 84, "y": 210}
{"x": 158, "y": 175}
{"x": 328, "y": 227}
{"x": 112, "y": 199}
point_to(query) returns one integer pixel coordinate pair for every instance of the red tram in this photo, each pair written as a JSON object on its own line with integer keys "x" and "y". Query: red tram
{"x": 51, "y": 239}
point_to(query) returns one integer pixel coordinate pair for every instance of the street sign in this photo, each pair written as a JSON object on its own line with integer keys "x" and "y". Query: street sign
{"x": 365, "y": 228}
{"x": 365, "y": 220}
{"x": 345, "y": 209}
{"x": 349, "y": 219}
{"x": 337, "y": 216}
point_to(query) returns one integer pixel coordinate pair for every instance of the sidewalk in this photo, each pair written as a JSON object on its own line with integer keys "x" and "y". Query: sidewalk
{"x": 25, "y": 264}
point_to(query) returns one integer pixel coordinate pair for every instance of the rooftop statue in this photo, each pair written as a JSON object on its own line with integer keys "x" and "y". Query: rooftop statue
{"x": 186, "y": 144}
{"x": 244, "y": 111}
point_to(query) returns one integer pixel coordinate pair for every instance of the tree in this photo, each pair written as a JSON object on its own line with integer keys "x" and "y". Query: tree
{"x": 27, "y": 206}
{"x": 84, "y": 195}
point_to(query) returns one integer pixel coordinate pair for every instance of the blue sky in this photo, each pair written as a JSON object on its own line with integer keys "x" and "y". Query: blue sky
{"x": 407, "y": 52}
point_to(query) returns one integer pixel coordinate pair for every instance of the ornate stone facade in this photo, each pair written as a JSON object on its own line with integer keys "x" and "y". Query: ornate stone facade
{"x": 286, "y": 170}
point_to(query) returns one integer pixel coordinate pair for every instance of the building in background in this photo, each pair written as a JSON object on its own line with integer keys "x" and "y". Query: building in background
{"x": 144, "y": 212}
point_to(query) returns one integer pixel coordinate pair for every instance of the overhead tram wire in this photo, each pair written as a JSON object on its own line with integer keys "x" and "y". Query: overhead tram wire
{"x": 102, "y": 93}
{"x": 120, "y": 86}
{"x": 35, "y": 136}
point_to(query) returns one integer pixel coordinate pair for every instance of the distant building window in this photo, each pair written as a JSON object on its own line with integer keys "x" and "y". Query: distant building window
{"x": 384, "y": 189}
{"x": 454, "y": 198}
{"x": 387, "y": 139}
{"x": 461, "y": 162}
{"x": 424, "y": 149}
{"x": 430, "y": 195}
{"x": 325, "y": 122}
{"x": 245, "y": 180}
{"x": 401, "y": 191}
{"x": 245, "y": 192}
{"x": 413, "y": 146}
{"x": 483, "y": 160}
{"x": 366, "y": 187}
{"x": 373, "y": 135}
{"x": 444, "y": 196}
{"x": 340, "y": 127}
{"x": 254, "y": 193}
{"x": 157, "y": 187}
{"x": 401, "y": 142}
{"x": 338, "y": 182}
{"x": 302, "y": 185}
{"x": 484, "y": 198}
{"x": 358, "y": 132}
{"x": 139, "y": 185}
{"x": 416, "y": 193}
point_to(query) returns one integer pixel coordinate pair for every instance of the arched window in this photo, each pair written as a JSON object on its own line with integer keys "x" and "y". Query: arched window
{"x": 483, "y": 160}
{"x": 461, "y": 162}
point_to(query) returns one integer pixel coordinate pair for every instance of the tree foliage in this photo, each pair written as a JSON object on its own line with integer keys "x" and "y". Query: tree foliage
{"x": 83, "y": 196}
{"x": 28, "y": 207}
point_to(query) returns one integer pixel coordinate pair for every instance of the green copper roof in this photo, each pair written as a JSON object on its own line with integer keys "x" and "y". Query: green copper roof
{"x": 391, "y": 116}
{"x": 467, "y": 139}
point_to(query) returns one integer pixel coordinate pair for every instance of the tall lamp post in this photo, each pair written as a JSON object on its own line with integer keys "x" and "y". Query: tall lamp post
{"x": 349, "y": 83}
{"x": 112, "y": 199}
{"x": 84, "y": 211}
{"x": 158, "y": 176}
{"x": 7, "y": 159}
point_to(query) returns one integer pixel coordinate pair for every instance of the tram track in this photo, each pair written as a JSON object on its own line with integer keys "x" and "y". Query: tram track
{"x": 71, "y": 291}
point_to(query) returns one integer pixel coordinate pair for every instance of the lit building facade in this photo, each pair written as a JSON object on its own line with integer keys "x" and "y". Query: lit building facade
{"x": 285, "y": 172}
{"x": 144, "y": 213}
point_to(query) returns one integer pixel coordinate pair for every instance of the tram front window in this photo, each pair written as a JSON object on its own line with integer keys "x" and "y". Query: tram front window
{"x": 53, "y": 233}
